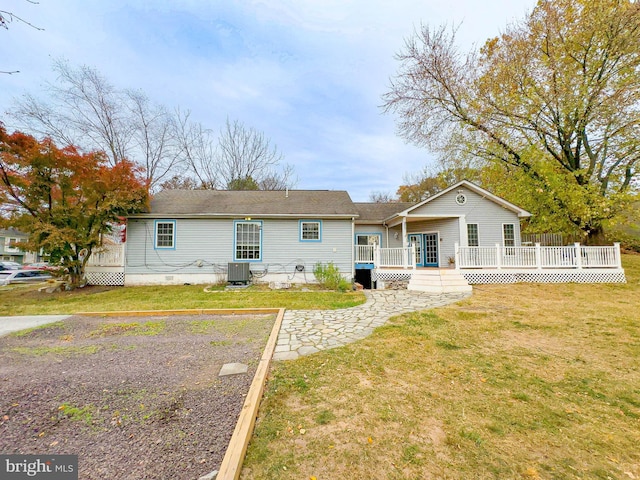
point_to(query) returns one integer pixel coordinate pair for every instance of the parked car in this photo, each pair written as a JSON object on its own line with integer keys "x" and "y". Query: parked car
{"x": 23, "y": 276}
{"x": 6, "y": 265}
{"x": 39, "y": 266}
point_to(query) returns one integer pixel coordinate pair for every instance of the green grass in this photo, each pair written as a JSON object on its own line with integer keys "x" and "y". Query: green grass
{"x": 127, "y": 329}
{"x": 26, "y": 300}
{"x": 76, "y": 414}
{"x": 518, "y": 381}
{"x": 65, "y": 351}
{"x": 229, "y": 329}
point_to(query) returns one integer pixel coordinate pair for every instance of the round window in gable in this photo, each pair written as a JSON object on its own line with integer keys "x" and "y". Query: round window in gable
{"x": 461, "y": 199}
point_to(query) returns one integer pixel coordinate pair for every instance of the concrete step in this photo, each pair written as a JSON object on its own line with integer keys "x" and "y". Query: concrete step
{"x": 440, "y": 289}
{"x": 432, "y": 279}
{"x": 438, "y": 281}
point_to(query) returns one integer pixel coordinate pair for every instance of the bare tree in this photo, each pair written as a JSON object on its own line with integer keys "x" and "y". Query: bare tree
{"x": 6, "y": 18}
{"x": 154, "y": 138}
{"x": 245, "y": 154}
{"x": 197, "y": 148}
{"x": 180, "y": 182}
{"x": 85, "y": 110}
{"x": 382, "y": 197}
{"x": 285, "y": 178}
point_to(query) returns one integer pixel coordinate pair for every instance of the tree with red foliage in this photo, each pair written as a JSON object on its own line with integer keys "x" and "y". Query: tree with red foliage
{"x": 64, "y": 200}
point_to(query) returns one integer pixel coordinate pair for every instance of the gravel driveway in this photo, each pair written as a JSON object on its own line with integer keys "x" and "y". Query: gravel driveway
{"x": 132, "y": 397}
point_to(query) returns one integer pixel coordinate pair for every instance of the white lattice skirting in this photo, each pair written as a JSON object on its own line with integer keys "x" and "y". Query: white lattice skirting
{"x": 475, "y": 277}
{"x": 105, "y": 278}
{"x": 388, "y": 276}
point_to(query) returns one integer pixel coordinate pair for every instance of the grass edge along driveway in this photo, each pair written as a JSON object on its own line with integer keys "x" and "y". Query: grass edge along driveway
{"x": 26, "y": 300}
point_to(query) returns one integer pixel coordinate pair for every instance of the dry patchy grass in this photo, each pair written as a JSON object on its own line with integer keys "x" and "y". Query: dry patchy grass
{"x": 27, "y": 300}
{"x": 519, "y": 381}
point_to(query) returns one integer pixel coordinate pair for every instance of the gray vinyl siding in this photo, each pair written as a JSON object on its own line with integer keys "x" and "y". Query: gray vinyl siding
{"x": 393, "y": 241}
{"x": 210, "y": 243}
{"x": 488, "y": 215}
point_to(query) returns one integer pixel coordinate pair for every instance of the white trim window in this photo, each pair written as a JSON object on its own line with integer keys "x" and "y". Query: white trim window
{"x": 368, "y": 239}
{"x": 509, "y": 234}
{"x": 310, "y": 230}
{"x": 248, "y": 241}
{"x": 473, "y": 239}
{"x": 165, "y": 233}
{"x": 11, "y": 245}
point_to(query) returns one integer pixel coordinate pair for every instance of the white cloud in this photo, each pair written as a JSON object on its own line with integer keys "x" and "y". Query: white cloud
{"x": 309, "y": 73}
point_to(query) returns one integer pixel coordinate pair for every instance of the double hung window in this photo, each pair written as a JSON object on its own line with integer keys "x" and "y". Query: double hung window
{"x": 248, "y": 241}
{"x": 473, "y": 240}
{"x": 310, "y": 230}
{"x": 165, "y": 234}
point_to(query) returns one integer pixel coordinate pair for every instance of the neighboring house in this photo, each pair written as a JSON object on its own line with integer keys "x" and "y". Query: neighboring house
{"x": 208, "y": 236}
{"x": 9, "y": 239}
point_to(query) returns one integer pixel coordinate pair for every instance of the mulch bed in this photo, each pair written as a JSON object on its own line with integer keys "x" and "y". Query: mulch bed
{"x": 133, "y": 397}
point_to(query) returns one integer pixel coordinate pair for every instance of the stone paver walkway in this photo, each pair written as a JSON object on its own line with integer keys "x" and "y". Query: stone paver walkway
{"x": 308, "y": 331}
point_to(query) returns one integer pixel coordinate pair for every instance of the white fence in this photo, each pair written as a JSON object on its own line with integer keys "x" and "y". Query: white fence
{"x": 107, "y": 256}
{"x": 544, "y": 239}
{"x": 538, "y": 257}
{"x": 400, "y": 257}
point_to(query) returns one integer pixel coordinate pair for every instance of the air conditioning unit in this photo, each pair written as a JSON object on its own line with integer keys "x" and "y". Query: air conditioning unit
{"x": 238, "y": 272}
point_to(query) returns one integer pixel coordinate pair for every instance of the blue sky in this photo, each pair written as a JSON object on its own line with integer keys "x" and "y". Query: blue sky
{"x": 308, "y": 73}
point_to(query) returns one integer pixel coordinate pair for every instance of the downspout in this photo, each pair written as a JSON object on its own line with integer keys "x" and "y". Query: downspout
{"x": 387, "y": 227}
{"x": 353, "y": 248}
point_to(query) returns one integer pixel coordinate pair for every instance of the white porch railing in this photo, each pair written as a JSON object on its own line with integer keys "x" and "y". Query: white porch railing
{"x": 574, "y": 256}
{"x": 399, "y": 257}
{"x": 364, "y": 253}
{"x": 107, "y": 256}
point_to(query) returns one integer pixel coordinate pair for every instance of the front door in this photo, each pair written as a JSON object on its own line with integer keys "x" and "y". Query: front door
{"x": 430, "y": 249}
{"x": 426, "y": 248}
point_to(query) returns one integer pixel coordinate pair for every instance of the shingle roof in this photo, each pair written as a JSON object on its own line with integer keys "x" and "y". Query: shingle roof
{"x": 377, "y": 212}
{"x": 255, "y": 203}
{"x": 12, "y": 232}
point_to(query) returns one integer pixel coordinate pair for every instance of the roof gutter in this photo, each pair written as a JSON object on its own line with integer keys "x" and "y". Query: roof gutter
{"x": 242, "y": 215}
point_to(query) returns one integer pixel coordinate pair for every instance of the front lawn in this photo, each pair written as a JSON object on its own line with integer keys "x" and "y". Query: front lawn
{"x": 516, "y": 382}
{"x": 27, "y": 300}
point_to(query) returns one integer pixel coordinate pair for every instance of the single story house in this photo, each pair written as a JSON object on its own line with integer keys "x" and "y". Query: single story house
{"x": 464, "y": 234}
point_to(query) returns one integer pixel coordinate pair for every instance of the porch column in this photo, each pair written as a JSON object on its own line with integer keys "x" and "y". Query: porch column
{"x": 462, "y": 226}
{"x": 404, "y": 232}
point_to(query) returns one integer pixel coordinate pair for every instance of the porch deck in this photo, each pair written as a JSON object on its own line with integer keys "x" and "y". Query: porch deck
{"x": 106, "y": 266}
{"x": 480, "y": 265}
{"x": 477, "y": 265}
